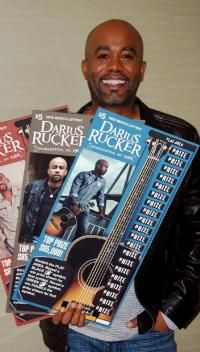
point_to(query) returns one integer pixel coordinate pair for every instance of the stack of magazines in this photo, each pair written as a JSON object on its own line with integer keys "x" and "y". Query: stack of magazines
{"x": 123, "y": 175}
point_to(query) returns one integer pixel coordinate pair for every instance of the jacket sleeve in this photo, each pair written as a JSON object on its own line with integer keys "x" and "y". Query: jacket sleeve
{"x": 183, "y": 301}
{"x": 54, "y": 336}
{"x": 27, "y": 193}
{"x": 76, "y": 184}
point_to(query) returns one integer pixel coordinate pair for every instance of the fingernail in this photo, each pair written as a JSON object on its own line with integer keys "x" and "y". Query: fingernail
{"x": 73, "y": 305}
{"x": 79, "y": 306}
{"x": 62, "y": 309}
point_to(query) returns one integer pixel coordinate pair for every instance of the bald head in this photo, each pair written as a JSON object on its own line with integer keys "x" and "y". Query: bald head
{"x": 113, "y": 28}
{"x": 114, "y": 66}
{"x": 101, "y": 167}
{"x": 58, "y": 160}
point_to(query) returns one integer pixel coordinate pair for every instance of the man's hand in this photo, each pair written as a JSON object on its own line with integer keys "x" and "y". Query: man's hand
{"x": 102, "y": 217}
{"x": 75, "y": 209}
{"x": 73, "y": 314}
{"x": 160, "y": 324}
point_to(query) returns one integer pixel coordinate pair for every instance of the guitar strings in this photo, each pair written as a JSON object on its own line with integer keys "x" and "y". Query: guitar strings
{"x": 113, "y": 250}
{"x": 99, "y": 279}
{"x": 116, "y": 229}
{"x": 95, "y": 278}
{"x": 130, "y": 210}
{"x": 109, "y": 248}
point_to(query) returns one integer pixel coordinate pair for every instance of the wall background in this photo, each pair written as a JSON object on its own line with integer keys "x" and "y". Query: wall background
{"x": 42, "y": 44}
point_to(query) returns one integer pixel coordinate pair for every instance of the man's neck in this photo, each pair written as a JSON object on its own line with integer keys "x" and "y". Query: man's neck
{"x": 132, "y": 111}
{"x": 95, "y": 173}
{"x": 54, "y": 184}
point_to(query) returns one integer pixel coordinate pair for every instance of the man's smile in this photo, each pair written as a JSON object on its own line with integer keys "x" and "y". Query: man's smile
{"x": 113, "y": 82}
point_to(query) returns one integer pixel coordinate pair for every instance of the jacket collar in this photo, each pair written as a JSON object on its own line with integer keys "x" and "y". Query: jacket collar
{"x": 145, "y": 112}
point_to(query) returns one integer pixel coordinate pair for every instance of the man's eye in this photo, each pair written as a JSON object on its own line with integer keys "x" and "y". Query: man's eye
{"x": 103, "y": 56}
{"x": 128, "y": 57}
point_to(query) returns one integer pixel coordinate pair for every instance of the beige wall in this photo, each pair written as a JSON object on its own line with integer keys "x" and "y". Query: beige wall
{"x": 42, "y": 43}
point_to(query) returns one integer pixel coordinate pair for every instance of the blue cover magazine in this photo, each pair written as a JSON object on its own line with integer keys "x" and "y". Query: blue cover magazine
{"x": 146, "y": 168}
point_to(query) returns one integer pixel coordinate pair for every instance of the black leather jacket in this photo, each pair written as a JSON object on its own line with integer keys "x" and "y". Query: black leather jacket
{"x": 33, "y": 197}
{"x": 169, "y": 277}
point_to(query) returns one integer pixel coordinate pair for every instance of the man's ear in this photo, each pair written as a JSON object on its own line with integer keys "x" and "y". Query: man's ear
{"x": 143, "y": 66}
{"x": 84, "y": 67}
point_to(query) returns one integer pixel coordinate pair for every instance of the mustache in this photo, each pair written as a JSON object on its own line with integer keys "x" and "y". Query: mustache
{"x": 56, "y": 176}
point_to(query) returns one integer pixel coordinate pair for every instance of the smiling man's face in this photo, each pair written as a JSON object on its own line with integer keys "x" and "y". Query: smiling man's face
{"x": 113, "y": 66}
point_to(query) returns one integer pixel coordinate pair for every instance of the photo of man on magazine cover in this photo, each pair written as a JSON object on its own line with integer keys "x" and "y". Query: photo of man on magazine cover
{"x": 46, "y": 177}
{"x": 10, "y": 191}
{"x": 92, "y": 193}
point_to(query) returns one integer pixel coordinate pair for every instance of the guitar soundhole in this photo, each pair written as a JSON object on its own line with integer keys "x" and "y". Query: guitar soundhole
{"x": 64, "y": 218}
{"x": 92, "y": 276}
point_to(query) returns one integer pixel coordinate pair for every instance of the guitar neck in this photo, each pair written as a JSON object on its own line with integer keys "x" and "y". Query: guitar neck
{"x": 131, "y": 203}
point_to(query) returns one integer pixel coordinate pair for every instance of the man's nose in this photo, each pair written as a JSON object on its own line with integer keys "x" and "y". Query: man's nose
{"x": 114, "y": 63}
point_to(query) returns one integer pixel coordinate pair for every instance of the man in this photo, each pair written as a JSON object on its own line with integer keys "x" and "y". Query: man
{"x": 39, "y": 198}
{"x": 9, "y": 206}
{"x": 165, "y": 293}
{"x": 86, "y": 186}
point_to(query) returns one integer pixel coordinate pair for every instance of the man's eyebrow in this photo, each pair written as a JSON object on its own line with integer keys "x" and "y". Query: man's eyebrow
{"x": 102, "y": 47}
{"x": 128, "y": 48}
{"x": 106, "y": 47}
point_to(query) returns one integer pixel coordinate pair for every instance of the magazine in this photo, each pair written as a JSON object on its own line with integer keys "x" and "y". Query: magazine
{"x": 5, "y": 273}
{"x": 53, "y": 135}
{"x": 96, "y": 270}
{"x": 14, "y": 136}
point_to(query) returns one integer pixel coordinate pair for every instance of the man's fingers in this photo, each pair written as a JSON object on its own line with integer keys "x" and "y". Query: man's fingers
{"x": 132, "y": 323}
{"x": 160, "y": 324}
{"x": 58, "y": 316}
{"x": 67, "y": 316}
{"x": 78, "y": 317}
{"x": 82, "y": 319}
{"x": 73, "y": 314}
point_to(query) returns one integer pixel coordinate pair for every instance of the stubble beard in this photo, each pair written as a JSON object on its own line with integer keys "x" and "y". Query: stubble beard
{"x": 113, "y": 99}
{"x": 56, "y": 179}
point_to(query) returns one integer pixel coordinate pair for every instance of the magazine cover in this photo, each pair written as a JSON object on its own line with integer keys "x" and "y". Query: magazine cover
{"x": 14, "y": 136}
{"x": 5, "y": 273}
{"x": 96, "y": 269}
{"x": 54, "y": 140}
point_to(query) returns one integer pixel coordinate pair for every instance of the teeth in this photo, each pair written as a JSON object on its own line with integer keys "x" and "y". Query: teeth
{"x": 113, "y": 82}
